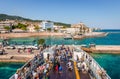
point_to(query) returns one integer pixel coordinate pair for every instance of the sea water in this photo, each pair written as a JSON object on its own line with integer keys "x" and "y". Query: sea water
{"x": 110, "y": 62}
{"x": 110, "y": 39}
{"x": 8, "y": 69}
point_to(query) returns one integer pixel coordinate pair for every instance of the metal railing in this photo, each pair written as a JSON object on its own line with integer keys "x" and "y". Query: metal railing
{"x": 94, "y": 66}
{"x": 33, "y": 64}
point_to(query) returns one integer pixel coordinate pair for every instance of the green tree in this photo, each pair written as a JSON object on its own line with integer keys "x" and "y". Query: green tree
{"x": 49, "y": 29}
{"x": 20, "y": 26}
{"x": 14, "y": 27}
{"x": 55, "y": 30}
{"x": 7, "y": 28}
{"x": 37, "y": 28}
{"x": 64, "y": 27}
{"x": 24, "y": 28}
{"x": 41, "y": 41}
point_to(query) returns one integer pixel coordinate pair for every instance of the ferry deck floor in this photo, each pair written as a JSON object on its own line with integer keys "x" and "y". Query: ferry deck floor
{"x": 68, "y": 74}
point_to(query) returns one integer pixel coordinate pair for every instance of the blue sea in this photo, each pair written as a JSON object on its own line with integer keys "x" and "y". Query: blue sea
{"x": 110, "y": 62}
{"x": 8, "y": 69}
{"x": 111, "y": 39}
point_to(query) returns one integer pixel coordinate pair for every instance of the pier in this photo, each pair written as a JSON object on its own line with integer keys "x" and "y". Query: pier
{"x": 90, "y": 35}
{"x": 114, "y": 49}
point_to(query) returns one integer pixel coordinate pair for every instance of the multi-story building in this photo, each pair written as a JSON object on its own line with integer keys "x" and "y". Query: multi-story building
{"x": 8, "y": 23}
{"x": 31, "y": 28}
{"x": 82, "y": 28}
{"x": 46, "y": 25}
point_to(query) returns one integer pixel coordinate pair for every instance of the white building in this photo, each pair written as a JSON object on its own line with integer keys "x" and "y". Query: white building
{"x": 46, "y": 25}
{"x": 82, "y": 28}
{"x": 31, "y": 28}
{"x": 70, "y": 30}
{"x": 56, "y": 27}
{"x": 6, "y": 23}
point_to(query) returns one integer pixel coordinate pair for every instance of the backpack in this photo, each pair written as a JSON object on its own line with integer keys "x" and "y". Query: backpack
{"x": 60, "y": 68}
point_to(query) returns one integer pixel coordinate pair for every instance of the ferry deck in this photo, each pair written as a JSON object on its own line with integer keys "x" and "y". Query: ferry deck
{"x": 91, "y": 69}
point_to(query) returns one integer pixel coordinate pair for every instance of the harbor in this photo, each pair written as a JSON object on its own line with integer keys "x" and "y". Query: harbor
{"x": 60, "y": 39}
{"x": 12, "y": 55}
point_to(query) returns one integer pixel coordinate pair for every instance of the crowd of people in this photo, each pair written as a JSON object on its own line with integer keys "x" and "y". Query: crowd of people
{"x": 53, "y": 63}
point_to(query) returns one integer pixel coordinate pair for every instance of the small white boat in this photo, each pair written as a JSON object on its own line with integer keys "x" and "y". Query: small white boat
{"x": 67, "y": 37}
{"x": 33, "y": 47}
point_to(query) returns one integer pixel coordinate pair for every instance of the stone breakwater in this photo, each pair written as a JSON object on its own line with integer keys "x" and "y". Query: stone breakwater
{"x": 89, "y": 35}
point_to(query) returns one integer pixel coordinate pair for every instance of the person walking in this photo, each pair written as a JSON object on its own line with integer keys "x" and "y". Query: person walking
{"x": 18, "y": 50}
{"x": 60, "y": 70}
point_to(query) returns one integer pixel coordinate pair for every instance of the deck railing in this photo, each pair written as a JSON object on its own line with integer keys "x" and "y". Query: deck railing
{"x": 33, "y": 64}
{"x": 94, "y": 66}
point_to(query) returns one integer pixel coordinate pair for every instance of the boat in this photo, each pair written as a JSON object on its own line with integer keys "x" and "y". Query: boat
{"x": 92, "y": 44}
{"x": 31, "y": 46}
{"x": 82, "y": 66}
{"x": 67, "y": 37}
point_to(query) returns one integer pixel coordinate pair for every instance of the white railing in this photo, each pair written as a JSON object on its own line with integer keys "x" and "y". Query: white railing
{"x": 94, "y": 66}
{"x": 33, "y": 64}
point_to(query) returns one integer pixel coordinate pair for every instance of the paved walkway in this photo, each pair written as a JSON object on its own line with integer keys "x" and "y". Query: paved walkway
{"x": 84, "y": 75}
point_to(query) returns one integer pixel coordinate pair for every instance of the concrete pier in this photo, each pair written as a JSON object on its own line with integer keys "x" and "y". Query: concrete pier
{"x": 114, "y": 49}
{"x": 11, "y": 55}
{"x": 89, "y": 35}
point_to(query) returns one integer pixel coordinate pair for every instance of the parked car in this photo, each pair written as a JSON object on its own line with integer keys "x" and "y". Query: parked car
{"x": 33, "y": 47}
{"x": 1, "y": 52}
{"x": 20, "y": 47}
{"x": 9, "y": 47}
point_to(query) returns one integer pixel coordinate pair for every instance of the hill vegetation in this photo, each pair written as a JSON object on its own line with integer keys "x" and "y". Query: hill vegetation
{"x": 3, "y": 17}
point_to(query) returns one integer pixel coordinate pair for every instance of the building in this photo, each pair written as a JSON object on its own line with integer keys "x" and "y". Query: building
{"x": 18, "y": 31}
{"x": 82, "y": 28}
{"x": 31, "y": 28}
{"x": 46, "y": 25}
{"x": 8, "y": 23}
{"x": 69, "y": 30}
{"x": 56, "y": 27}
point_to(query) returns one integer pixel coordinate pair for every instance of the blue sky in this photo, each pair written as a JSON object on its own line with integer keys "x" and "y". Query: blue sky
{"x": 94, "y": 13}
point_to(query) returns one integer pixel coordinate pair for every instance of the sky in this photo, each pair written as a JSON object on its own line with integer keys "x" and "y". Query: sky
{"x": 103, "y": 14}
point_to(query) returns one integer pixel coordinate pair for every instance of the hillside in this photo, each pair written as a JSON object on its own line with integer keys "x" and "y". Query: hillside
{"x": 5, "y": 16}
